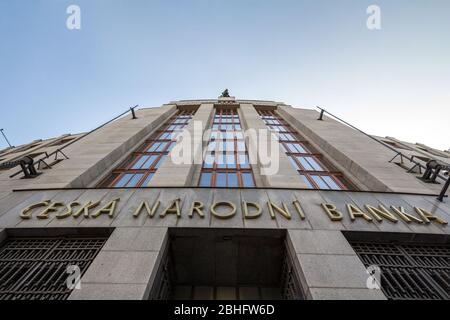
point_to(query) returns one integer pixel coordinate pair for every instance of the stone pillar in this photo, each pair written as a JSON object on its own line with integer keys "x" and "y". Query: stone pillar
{"x": 175, "y": 174}
{"x": 328, "y": 267}
{"x": 126, "y": 266}
{"x": 287, "y": 176}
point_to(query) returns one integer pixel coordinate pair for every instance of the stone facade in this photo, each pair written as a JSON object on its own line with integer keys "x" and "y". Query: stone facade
{"x": 127, "y": 265}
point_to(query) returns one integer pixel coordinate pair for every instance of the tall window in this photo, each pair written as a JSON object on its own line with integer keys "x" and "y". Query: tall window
{"x": 308, "y": 163}
{"x": 226, "y": 163}
{"x": 138, "y": 169}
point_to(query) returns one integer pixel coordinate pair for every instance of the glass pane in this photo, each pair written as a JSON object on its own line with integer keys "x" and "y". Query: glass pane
{"x": 241, "y": 145}
{"x": 227, "y": 135}
{"x": 316, "y": 166}
{"x": 289, "y": 137}
{"x": 291, "y": 147}
{"x": 123, "y": 180}
{"x": 243, "y": 161}
{"x": 205, "y": 180}
{"x": 232, "y": 180}
{"x": 171, "y": 145}
{"x": 294, "y": 163}
{"x": 220, "y": 145}
{"x": 220, "y": 160}
{"x": 221, "y": 180}
{"x": 209, "y": 160}
{"x": 165, "y": 136}
{"x": 161, "y": 160}
{"x": 150, "y": 161}
{"x": 300, "y": 148}
{"x": 318, "y": 180}
{"x": 174, "y": 135}
{"x": 134, "y": 180}
{"x": 161, "y": 146}
{"x": 331, "y": 183}
{"x": 231, "y": 162}
{"x": 306, "y": 181}
{"x": 230, "y": 146}
{"x": 147, "y": 180}
{"x": 305, "y": 164}
{"x": 247, "y": 180}
{"x": 140, "y": 162}
{"x": 154, "y": 146}
{"x": 212, "y": 146}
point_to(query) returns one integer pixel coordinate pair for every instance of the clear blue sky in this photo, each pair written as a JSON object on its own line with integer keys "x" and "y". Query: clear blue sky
{"x": 395, "y": 81}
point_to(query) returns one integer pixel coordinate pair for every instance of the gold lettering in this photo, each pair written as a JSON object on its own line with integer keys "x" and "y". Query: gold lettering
{"x": 144, "y": 205}
{"x": 197, "y": 207}
{"x": 174, "y": 207}
{"x": 405, "y": 216}
{"x": 428, "y": 216}
{"x": 221, "y": 204}
{"x": 69, "y": 210}
{"x": 85, "y": 209}
{"x": 27, "y": 212}
{"x": 381, "y": 212}
{"x": 332, "y": 211}
{"x": 254, "y": 215}
{"x": 51, "y": 208}
{"x": 109, "y": 209}
{"x": 356, "y": 212}
{"x": 283, "y": 211}
{"x": 299, "y": 209}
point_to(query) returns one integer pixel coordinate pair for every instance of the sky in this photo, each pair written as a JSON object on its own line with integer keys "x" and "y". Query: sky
{"x": 390, "y": 82}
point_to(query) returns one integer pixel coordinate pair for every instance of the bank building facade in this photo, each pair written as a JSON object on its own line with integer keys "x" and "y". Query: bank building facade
{"x": 224, "y": 199}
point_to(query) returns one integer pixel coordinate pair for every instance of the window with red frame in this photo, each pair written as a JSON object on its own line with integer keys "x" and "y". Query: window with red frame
{"x": 226, "y": 162}
{"x": 308, "y": 163}
{"x": 138, "y": 169}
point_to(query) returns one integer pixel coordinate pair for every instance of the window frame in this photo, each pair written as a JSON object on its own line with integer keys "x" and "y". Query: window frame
{"x": 221, "y": 135}
{"x": 287, "y": 135}
{"x": 158, "y": 137}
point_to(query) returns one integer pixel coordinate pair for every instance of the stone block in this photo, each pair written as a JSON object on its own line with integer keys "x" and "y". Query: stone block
{"x": 136, "y": 239}
{"x": 121, "y": 267}
{"x": 320, "y": 242}
{"x": 346, "y": 294}
{"x": 109, "y": 291}
{"x": 333, "y": 271}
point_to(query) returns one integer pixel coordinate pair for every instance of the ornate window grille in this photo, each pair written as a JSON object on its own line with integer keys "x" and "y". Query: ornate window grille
{"x": 36, "y": 268}
{"x": 409, "y": 271}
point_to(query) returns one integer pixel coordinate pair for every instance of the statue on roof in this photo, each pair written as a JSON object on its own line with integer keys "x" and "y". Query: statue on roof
{"x": 225, "y": 94}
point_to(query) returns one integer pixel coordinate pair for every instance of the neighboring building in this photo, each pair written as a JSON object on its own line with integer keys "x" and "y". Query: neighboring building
{"x": 116, "y": 206}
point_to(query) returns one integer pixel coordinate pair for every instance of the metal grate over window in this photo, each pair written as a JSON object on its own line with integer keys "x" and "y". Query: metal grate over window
{"x": 36, "y": 268}
{"x": 409, "y": 271}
